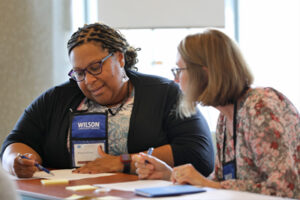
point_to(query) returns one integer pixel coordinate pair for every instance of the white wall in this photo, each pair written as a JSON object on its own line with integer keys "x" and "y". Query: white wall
{"x": 270, "y": 41}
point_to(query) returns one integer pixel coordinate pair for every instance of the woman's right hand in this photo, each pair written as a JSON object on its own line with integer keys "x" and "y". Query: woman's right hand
{"x": 17, "y": 166}
{"x": 149, "y": 167}
{"x": 24, "y": 168}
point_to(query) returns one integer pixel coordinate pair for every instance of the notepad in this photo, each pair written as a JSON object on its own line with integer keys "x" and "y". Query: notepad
{"x": 168, "y": 190}
{"x": 55, "y": 182}
{"x": 81, "y": 187}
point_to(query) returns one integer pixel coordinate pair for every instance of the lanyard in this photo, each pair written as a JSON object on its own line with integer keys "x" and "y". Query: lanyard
{"x": 234, "y": 132}
{"x": 122, "y": 104}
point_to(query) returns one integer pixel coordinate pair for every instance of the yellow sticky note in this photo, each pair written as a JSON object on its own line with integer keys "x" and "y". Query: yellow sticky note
{"x": 55, "y": 182}
{"x": 81, "y": 187}
{"x": 74, "y": 197}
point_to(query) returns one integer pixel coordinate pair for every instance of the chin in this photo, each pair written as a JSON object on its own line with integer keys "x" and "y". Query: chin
{"x": 101, "y": 101}
{"x": 98, "y": 99}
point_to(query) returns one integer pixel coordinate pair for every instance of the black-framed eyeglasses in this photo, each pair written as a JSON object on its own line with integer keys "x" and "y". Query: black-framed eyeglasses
{"x": 176, "y": 72}
{"x": 94, "y": 69}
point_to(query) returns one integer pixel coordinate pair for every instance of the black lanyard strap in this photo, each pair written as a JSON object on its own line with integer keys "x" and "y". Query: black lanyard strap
{"x": 113, "y": 113}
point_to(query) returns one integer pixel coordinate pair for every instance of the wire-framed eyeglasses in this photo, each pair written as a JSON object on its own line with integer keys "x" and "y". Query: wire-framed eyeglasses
{"x": 176, "y": 72}
{"x": 94, "y": 69}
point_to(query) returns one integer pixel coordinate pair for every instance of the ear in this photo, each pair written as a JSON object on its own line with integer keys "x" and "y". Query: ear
{"x": 121, "y": 58}
{"x": 205, "y": 68}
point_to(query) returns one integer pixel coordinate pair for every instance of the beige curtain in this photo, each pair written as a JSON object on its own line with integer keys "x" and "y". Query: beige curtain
{"x": 33, "y": 54}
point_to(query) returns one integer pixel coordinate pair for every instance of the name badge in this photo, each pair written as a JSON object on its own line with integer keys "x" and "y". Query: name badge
{"x": 229, "y": 170}
{"x": 88, "y": 131}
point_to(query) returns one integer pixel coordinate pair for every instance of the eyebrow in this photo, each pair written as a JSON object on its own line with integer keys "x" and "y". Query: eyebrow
{"x": 91, "y": 63}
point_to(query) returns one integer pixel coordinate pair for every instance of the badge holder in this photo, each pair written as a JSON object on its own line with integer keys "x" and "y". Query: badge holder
{"x": 229, "y": 170}
{"x": 88, "y": 131}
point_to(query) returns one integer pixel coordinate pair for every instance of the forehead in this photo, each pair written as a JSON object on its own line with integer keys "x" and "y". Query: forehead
{"x": 179, "y": 61}
{"x": 85, "y": 54}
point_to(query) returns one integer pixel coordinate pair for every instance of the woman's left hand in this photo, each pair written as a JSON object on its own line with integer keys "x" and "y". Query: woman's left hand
{"x": 187, "y": 174}
{"x": 106, "y": 163}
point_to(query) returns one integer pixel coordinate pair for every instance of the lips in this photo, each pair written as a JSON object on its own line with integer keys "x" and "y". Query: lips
{"x": 98, "y": 91}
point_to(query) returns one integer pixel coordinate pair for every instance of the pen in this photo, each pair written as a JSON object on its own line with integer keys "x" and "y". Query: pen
{"x": 149, "y": 152}
{"x": 40, "y": 167}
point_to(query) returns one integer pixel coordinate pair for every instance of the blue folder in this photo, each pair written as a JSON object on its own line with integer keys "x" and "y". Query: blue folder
{"x": 168, "y": 190}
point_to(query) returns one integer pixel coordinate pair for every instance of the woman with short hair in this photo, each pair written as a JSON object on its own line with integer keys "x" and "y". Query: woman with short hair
{"x": 258, "y": 130}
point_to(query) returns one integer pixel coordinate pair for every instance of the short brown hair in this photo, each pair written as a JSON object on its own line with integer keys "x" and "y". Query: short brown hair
{"x": 218, "y": 73}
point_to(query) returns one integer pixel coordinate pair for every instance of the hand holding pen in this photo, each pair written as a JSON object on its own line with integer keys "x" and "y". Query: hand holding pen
{"x": 150, "y": 167}
{"x": 40, "y": 167}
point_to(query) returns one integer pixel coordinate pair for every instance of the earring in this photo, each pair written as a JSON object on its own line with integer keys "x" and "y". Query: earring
{"x": 125, "y": 77}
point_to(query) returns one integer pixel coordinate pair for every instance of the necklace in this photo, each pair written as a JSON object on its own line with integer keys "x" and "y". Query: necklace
{"x": 113, "y": 113}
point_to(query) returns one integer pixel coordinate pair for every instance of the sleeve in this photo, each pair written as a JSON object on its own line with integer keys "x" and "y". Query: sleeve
{"x": 32, "y": 124}
{"x": 273, "y": 139}
{"x": 190, "y": 140}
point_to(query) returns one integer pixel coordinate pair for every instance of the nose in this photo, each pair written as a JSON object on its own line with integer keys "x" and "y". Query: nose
{"x": 89, "y": 78}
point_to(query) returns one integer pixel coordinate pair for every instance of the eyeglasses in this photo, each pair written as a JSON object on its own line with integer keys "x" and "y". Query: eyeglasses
{"x": 94, "y": 69}
{"x": 176, "y": 72}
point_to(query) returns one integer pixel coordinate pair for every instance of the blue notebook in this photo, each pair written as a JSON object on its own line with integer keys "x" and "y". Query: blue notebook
{"x": 168, "y": 190}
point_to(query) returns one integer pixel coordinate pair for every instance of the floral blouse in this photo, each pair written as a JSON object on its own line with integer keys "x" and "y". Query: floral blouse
{"x": 267, "y": 145}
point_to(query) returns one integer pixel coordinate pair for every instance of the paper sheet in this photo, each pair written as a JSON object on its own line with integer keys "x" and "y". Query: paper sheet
{"x": 78, "y": 197}
{"x": 132, "y": 185}
{"x": 67, "y": 174}
{"x": 215, "y": 194}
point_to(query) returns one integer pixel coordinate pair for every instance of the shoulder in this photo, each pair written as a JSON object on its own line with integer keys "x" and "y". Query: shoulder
{"x": 147, "y": 81}
{"x": 67, "y": 88}
{"x": 265, "y": 97}
{"x": 257, "y": 101}
{"x": 266, "y": 105}
{"x": 68, "y": 85}
{"x": 63, "y": 94}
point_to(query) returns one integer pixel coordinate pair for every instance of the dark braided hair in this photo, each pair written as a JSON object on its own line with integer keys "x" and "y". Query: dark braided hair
{"x": 109, "y": 38}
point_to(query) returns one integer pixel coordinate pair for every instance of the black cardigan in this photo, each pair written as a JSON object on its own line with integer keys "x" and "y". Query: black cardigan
{"x": 44, "y": 124}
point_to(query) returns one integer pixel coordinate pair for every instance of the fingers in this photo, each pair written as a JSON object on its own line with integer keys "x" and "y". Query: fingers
{"x": 149, "y": 167}
{"x": 143, "y": 169}
{"x": 182, "y": 174}
{"x": 86, "y": 169}
{"x": 180, "y": 177}
{"x": 148, "y": 158}
{"x": 177, "y": 176}
{"x": 105, "y": 164}
{"x": 100, "y": 151}
{"x": 142, "y": 159}
{"x": 24, "y": 168}
{"x": 137, "y": 158}
{"x": 144, "y": 173}
{"x": 30, "y": 156}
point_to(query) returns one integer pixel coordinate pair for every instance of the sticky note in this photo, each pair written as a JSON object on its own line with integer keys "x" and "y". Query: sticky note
{"x": 74, "y": 197}
{"x": 81, "y": 187}
{"x": 55, "y": 182}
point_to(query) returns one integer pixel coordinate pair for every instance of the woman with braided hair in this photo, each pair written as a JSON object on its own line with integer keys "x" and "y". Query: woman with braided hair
{"x": 104, "y": 114}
